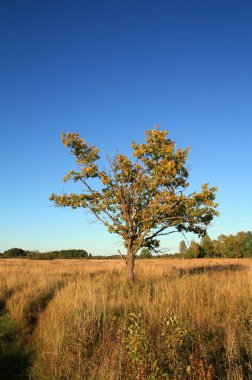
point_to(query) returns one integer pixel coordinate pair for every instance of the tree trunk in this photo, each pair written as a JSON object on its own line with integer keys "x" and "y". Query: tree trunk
{"x": 130, "y": 266}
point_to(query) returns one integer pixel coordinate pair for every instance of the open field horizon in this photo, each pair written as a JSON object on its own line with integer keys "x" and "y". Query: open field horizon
{"x": 81, "y": 319}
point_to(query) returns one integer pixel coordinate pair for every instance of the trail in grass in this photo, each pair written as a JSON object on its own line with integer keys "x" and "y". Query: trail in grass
{"x": 14, "y": 357}
{"x": 15, "y": 354}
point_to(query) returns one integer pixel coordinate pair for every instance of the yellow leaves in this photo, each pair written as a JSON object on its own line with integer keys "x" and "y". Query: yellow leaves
{"x": 139, "y": 195}
{"x": 79, "y": 147}
{"x": 89, "y": 171}
{"x": 52, "y": 197}
{"x": 68, "y": 176}
{"x": 68, "y": 138}
{"x": 158, "y": 154}
{"x": 105, "y": 179}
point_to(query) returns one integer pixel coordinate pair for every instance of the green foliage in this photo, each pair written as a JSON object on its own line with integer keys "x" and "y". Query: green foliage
{"x": 230, "y": 246}
{"x": 207, "y": 247}
{"x": 194, "y": 251}
{"x": 14, "y": 358}
{"x": 165, "y": 357}
{"x": 182, "y": 248}
{"x": 174, "y": 339}
{"x": 239, "y": 245}
{"x": 137, "y": 345}
{"x": 68, "y": 254}
{"x": 63, "y": 254}
{"x": 14, "y": 252}
{"x": 145, "y": 254}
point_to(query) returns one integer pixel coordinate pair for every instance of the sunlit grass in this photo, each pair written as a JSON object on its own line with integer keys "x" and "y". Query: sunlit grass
{"x": 191, "y": 318}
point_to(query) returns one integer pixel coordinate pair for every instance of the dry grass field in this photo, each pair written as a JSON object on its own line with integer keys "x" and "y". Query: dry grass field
{"x": 80, "y": 319}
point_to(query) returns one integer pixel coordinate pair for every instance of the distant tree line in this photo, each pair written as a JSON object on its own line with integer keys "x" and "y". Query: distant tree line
{"x": 63, "y": 254}
{"x": 233, "y": 246}
{"x": 76, "y": 254}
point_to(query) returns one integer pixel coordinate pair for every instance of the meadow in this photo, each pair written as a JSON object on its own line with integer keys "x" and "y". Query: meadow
{"x": 81, "y": 319}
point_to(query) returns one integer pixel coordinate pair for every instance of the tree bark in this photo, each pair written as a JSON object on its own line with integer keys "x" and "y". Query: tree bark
{"x": 130, "y": 266}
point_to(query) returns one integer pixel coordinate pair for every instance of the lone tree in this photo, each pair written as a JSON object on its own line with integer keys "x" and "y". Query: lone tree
{"x": 142, "y": 197}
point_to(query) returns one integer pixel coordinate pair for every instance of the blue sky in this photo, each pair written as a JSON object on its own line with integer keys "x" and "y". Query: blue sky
{"x": 110, "y": 70}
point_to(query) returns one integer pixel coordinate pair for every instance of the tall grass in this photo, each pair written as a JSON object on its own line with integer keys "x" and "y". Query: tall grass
{"x": 182, "y": 319}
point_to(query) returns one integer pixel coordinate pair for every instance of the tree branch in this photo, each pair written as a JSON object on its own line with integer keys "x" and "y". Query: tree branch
{"x": 94, "y": 193}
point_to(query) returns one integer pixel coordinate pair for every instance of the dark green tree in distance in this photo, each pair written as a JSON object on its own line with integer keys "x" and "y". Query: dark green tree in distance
{"x": 194, "y": 251}
{"x": 182, "y": 249}
{"x": 15, "y": 252}
{"x": 207, "y": 247}
{"x": 145, "y": 253}
{"x": 229, "y": 246}
{"x": 237, "y": 249}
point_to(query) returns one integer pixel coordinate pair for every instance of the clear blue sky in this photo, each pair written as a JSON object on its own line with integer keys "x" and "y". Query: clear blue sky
{"x": 110, "y": 70}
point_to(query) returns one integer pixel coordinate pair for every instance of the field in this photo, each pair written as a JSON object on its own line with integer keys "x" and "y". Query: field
{"x": 80, "y": 319}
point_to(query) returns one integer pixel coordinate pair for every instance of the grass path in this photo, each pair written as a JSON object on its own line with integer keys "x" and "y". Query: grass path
{"x": 15, "y": 352}
{"x": 14, "y": 357}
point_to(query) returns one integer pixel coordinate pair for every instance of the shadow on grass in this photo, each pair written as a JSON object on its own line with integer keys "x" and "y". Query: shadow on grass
{"x": 14, "y": 359}
{"x": 2, "y": 306}
{"x": 211, "y": 269}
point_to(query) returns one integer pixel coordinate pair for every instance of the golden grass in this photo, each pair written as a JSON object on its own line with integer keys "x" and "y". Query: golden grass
{"x": 192, "y": 318}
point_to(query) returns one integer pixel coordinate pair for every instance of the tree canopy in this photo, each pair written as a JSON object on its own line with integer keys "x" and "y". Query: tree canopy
{"x": 142, "y": 197}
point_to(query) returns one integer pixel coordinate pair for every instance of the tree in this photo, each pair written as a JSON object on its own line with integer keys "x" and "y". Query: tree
{"x": 194, "y": 251}
{"x": 228, "y": 242}
{"x": 239, "y": 245}
{"x": 15, "y": 252}
{"x": 219, "y": 246}
{"x": 182, "y": 249}
{"x": 246, "y": 241}
{"x": 207, "y": 247}
{"x": 236, "y": 249}
{"x": 142, "y": 197}
{"x": 145, "y": 253}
